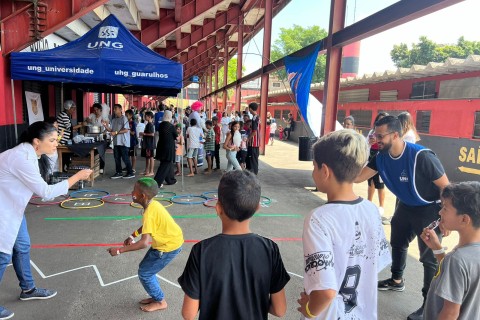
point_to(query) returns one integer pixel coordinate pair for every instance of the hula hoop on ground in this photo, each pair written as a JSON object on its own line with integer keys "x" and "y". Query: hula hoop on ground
{"x": 168, "y": 201}
{"x": 46, "y": 203}
{"x": 73, "y": 194}
{"x": 210, "y": 203}
{"x": 83, "y": 199}
{"x": 165, "y": 195}
{"x": 210, "y": 194}
{"x": 187, "y": 197}
{"x": 108, "y": 200}
{"x": 265, "y": 200}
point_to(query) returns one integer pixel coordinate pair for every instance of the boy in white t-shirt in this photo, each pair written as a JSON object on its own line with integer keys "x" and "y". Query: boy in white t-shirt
{"x": 344, "y": 243}
{"x": 195, "y": 138}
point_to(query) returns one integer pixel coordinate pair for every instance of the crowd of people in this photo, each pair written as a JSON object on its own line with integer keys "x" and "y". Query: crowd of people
{"x": 344, "y": 245}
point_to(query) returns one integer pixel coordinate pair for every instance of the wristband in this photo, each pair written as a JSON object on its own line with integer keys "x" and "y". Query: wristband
{"x": 440, "y": 251}
{"x": 307, "y": 310}
{"x": 116, "y": 132}
{"x": 133, "y": 239}
{"x": 118, "y": 252}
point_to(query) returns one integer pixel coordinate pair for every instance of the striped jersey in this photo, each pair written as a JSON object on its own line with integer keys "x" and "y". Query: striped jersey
{"x": 64, "y": 124}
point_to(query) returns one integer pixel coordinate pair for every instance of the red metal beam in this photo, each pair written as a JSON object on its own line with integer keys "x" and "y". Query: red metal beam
{"x": 229, "y": 17}
{"x": 169, "y": 20}
{"x": 28, "y": 23}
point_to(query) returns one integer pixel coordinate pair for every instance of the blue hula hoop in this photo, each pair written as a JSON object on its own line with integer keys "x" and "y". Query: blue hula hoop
{"x": 206, "y": 194}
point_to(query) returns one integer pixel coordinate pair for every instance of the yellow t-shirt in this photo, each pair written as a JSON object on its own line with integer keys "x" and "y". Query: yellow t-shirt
{"x": 165, "y": 232}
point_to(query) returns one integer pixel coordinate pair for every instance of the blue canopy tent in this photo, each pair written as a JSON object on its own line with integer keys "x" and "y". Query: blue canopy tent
{"x": 108, "y": 58}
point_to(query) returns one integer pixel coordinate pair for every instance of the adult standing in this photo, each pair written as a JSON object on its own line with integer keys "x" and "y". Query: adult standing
{"x": 196, "y": 109}
{"x": 225, "y": 123}
{"x": 376, "y": 182}
{"x": 65, "y": 127}
{"x": 95, "y": 119}
{"x": 253, "y": 140}
{"x": 166, "y": 150}
{"x": 64, "y": 120}
{"x": 20, "y": 178}
{"x": 158, "y": 119}
{"x": 289, "y": 123}
{"x": 416, "y": 176}
{"x": 120, "y": 132}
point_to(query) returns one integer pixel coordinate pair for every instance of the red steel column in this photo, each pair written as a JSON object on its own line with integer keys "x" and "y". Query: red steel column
{"x": 267, "y": 40}
{"x": 225, "y": 73}
{"x": 216, "y": 83}
{"x": 238, "y": 96}
{"x": 334, "y": 62}
{"x": 210, "y": 85}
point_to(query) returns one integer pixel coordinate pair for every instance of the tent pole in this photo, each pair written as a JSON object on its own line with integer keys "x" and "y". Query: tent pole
{"x": 180, "y": 118}
{"x": 14, "y": 111}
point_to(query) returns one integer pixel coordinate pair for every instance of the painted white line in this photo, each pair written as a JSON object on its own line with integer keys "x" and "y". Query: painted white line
{"x": 294, "y": 274}
{"x": 97, "y": 272}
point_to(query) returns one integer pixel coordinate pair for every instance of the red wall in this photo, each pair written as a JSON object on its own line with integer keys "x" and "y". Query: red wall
{"x": 6, "y": 106}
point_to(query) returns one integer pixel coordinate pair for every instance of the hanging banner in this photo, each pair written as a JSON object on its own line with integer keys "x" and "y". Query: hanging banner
{"x": 300, "y": 71}
{"x": 34, "y": 107}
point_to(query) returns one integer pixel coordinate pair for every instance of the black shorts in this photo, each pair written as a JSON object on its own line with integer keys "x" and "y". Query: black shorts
{"x": 132, "y": 152}
{"x": 242, "y": 156}
{"x": 377, "y": 182}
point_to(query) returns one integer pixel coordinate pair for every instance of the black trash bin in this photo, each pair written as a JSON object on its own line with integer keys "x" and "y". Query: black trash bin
{"x": 305, "y": 152}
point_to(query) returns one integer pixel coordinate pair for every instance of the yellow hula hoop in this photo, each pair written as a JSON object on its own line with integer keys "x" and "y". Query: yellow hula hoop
{"x": 170, "y": 203}
{"x": 86, "y": 207}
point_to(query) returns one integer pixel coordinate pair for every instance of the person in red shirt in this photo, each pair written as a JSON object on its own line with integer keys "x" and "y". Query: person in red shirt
{"x": 216, "y": 128}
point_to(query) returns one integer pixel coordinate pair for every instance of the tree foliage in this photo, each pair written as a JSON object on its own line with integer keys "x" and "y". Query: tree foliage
{"x": 426, "y": 51}
{"x": 231, "y": 75}
{"x": 294, "y": 39}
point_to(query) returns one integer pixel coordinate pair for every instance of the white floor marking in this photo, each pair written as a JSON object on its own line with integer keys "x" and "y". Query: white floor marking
{"x": 294, "y": 274}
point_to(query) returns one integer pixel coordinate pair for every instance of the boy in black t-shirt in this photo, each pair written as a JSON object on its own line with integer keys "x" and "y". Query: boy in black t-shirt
{"x": 236, "y": 274}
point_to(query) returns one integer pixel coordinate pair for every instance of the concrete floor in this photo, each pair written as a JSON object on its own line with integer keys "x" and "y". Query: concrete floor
{"x": 93, "y": 285}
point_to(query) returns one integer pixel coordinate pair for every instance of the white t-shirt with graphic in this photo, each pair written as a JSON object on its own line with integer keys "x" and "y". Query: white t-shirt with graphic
{"x": 345, "y": 248}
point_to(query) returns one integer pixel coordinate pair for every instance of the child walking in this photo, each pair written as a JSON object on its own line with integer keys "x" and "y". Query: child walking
{"x": 280, "y": 132}
{"x": 236, "y": 274}
{"x": 148, "y": 144}
{"x": 344, "y": 244}
{"x": 159, "y": 228}
{"x": 209, "y": 146}
{"x": 454, "y": 292}
{"x": 179, "y": 143}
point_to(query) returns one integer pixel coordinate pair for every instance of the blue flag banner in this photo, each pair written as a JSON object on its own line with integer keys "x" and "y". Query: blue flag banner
{"x": 300, "y": 72}
{"x": 107, "y": 58}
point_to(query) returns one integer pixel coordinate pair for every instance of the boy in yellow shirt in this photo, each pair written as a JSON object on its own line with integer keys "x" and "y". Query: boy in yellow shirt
{"x": 166, "y": 236}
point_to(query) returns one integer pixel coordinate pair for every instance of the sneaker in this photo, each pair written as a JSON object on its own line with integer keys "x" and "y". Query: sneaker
{"x": 389, "y": 284}
{"x": 417, "y": 315}
{"x": 101, "y": 171}
{"x": 5, "y": 313}
{"x": 116, "y": 176}
{"x": 386, "y": 220}
{"x": 381, "y": 211}
{"x": 129, "y": 176}
{"x": 38, "y": 294}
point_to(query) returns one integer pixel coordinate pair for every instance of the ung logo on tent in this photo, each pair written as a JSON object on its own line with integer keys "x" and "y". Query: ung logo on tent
{"x": 108, "y": 32}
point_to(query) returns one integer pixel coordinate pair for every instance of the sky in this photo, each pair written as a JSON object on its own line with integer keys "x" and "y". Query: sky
{"x": 444, "y": 26}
